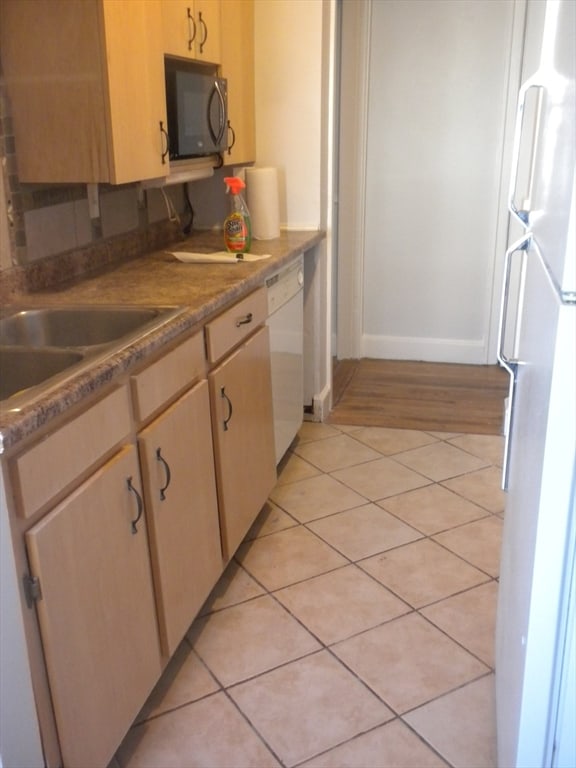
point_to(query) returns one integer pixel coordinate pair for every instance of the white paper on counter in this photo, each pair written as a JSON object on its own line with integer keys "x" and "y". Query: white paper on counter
{"x": 219, "y": 257}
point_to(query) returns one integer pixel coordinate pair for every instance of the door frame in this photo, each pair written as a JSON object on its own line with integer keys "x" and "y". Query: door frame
{"x": 353, "y": 108}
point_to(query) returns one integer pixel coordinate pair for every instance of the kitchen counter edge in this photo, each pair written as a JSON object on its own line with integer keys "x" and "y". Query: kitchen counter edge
{"x": 201, "y": 291}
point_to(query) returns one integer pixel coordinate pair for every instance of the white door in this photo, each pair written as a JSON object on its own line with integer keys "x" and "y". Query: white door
{"x": 427, "y": 239}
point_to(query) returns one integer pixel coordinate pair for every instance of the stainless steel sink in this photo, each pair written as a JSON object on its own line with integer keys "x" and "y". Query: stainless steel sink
{"x": 73, "y": 326}
{"x": 41, "y": 346}
{"x": 22, "y": 368}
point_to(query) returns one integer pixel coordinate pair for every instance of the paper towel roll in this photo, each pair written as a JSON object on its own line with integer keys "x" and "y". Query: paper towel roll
{"x": 262, "y": 201}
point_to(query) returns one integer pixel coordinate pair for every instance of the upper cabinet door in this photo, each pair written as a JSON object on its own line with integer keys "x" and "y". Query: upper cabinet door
{"x": 134, "y": 76}
{"x": 238, "y": 68}
{"x": 191, "y": 29}
{"x": 85, "y": 80}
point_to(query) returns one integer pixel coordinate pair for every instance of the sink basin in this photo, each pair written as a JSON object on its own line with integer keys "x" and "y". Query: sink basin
{"x": 23, "y": 368}
{"x": 39, "y": 345}
{"x": 73, "y": 326}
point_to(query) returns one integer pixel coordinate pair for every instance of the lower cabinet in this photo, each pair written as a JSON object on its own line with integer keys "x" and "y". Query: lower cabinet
{"x": 97, "y": 614}
{"x": 180, "y": 493}
{"x": 242, "y": 426}
{"x": 129, "y": 512}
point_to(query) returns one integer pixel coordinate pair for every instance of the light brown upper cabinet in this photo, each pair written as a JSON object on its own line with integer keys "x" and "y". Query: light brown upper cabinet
{"x": 85, "y": 80}
{"x": 191, "y": 29}
{"x": 238, "y": 68}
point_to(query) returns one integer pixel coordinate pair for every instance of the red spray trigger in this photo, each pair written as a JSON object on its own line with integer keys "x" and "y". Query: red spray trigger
{"x": 234, "y": 184}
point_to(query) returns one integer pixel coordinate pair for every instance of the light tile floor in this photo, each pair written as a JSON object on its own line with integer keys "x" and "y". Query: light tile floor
{"x": 354, "y": 628}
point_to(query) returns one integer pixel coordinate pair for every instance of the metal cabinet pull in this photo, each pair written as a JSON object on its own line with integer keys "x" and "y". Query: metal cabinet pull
{"x": 205, "y": 28}
{"x": 224, "y": 396}
{"x": 232, "y": 137}
{"x": 164, "y": 134}
{"x": 166, "y": 466}
{"x": 139, "y": 505}
{"x": 244, "y": 320}
{"x": 191, "y": 29}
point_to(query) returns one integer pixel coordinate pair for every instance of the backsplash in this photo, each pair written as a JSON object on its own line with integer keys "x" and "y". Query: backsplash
{"x": 51, "y": 237}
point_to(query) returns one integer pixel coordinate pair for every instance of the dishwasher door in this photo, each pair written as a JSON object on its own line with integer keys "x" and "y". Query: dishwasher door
{"x": 286, "y": 325}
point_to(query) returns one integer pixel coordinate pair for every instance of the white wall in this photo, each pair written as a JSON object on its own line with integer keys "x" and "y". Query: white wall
{"x": 437, "y": 106}
{"x": 294, "y": 86}
{"x": 288, "y": 61}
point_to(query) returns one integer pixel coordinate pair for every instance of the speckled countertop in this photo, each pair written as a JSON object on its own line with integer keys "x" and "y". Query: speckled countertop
{"x": 155, "y": 279}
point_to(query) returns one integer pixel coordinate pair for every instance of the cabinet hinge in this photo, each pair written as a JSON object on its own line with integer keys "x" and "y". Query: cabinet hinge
{"x": 32, "y": 589}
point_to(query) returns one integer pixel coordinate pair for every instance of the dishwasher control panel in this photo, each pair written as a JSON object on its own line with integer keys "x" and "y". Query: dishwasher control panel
{"x": 285, "y": 284}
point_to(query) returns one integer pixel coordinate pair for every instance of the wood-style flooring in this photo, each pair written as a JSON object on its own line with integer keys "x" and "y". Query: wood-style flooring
{"x": 439, "y": 397}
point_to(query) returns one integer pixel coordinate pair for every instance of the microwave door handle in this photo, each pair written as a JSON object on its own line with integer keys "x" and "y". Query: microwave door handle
{"x": 217, "y": 93}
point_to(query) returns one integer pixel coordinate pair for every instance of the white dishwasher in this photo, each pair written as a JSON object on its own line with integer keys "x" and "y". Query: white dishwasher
{"x": 286, "y": 324}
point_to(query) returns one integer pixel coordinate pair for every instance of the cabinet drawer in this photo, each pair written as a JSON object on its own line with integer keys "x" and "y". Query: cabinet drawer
{"x": 50, "y": 466}
{"x": 236, "y": 324}
{"x": 168, "y": 376}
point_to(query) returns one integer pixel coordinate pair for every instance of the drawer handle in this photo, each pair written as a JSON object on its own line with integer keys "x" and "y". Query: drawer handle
{"x": 225, "y": 397}
{"x": 244, "y": 320}
{"x": 139, "y": 505}
{"x": 166, "y": 466}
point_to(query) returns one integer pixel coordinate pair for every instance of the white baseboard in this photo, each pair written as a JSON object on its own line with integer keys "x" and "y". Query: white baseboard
{"x": 320, "y": 405}
{"x": 468, "y": 351}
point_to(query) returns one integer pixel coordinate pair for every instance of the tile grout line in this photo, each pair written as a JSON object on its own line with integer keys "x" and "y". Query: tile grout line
{"x": 328, "y": 647}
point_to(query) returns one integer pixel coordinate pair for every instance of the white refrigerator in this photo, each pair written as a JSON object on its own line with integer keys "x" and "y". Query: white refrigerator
{"x": 535, "y": 635}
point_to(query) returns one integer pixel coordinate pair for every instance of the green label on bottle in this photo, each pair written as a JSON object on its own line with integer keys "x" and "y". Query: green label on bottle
{"x": 236, "y": 233}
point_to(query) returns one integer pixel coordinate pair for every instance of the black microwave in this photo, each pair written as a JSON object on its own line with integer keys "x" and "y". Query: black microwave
{"x": 197, "y": 107}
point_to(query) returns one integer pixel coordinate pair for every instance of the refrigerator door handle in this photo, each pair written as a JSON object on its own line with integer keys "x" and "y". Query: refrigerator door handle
{"x": 522, "y": 213}
{"x": 509, "y": 363}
